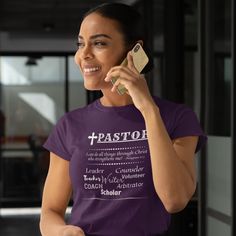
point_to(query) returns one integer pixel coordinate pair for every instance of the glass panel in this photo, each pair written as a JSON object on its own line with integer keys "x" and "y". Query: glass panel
{"x": 219, "y": 96}
{"x": 218, "y": 107}
{"x": 219, "y": 174}
{"x": 77, "y": 92}
{"x": 192, "y": 86}
{"x": 191, "y": 19}
{"x": 158, "y": 23}
{"x": 157, "y": 78}
{"x": 217, "y": 228}
{"x": 32, "y": 101}
{"x": 33, "y": 96}
{"x": 222, "y": 22}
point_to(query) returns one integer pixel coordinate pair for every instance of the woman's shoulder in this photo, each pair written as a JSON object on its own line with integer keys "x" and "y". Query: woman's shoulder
{"x": 180, "y": 120}
{"x": 167, "y": 106}
{"x": 80, "y": 111}
{"x": 76, "y": 115}
{"x": 174, "y": 113}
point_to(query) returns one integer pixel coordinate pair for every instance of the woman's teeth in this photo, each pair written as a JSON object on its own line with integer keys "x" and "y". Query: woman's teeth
{"x": 87, "y": 70}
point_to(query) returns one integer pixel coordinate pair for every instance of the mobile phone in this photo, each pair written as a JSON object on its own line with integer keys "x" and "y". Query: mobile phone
{"x": 140, "y": 60}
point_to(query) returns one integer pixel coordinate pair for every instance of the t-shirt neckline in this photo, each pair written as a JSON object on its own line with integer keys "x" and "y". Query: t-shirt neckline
{"x": 101, "y": 107}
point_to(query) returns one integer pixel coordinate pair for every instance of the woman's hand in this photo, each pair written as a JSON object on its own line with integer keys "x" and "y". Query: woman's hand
{"x": 71, "y": 230}
{"x": 134, "y": 82}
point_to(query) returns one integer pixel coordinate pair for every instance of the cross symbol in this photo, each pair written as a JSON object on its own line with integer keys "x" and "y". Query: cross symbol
{"x": 92, "y": 137}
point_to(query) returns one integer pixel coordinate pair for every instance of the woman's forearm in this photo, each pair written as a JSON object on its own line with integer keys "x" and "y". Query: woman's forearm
{"x": 51, "y": 223}
{"x": 172, "y": 181}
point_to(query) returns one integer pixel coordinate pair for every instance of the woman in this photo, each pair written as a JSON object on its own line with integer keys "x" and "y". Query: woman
{"x": 128, "y": 160}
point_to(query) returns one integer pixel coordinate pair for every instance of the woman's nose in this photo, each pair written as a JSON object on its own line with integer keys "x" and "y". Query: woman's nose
{"x": 86, "y": 52}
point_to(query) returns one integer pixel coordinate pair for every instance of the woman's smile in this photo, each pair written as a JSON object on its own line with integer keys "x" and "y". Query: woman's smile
{"x": 91, "y": 70}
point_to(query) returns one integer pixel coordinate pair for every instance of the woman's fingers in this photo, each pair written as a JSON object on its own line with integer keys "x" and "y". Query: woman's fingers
{"x": 120, "y": 81}
{"x": 131, "y": 63}
{"x": 123, "y": 77}
{"x": 120, "y": 71}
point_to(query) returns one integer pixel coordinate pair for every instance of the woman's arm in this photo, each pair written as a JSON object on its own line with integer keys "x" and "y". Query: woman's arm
{"x": 56, "y": 195}
{"x": 173, "y": 163}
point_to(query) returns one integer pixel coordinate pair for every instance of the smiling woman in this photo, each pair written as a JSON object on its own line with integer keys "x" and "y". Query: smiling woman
{"x": 143, "y": 145}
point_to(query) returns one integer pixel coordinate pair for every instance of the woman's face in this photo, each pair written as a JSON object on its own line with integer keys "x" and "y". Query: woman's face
{"x": 100, "y": 47}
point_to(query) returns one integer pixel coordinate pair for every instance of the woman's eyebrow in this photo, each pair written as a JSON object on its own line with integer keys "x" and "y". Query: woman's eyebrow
{"x": 97, "y": 36}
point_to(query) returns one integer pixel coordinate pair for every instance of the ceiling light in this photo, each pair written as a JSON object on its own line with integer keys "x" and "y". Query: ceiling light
{"x": 31, "y": 61}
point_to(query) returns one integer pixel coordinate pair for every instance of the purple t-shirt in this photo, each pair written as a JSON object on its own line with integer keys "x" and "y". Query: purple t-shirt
{"x": 110, "y": 169}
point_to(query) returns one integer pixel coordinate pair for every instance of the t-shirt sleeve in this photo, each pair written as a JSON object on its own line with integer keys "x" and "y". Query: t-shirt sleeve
{"x": 57, "y": 140}
{"x": 186, "y": 124}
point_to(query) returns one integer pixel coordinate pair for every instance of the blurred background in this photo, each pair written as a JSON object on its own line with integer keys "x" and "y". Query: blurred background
{"x": 193, "y": 46}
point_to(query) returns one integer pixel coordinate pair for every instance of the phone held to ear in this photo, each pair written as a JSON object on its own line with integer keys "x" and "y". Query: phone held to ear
{"x": 140, "y": 60}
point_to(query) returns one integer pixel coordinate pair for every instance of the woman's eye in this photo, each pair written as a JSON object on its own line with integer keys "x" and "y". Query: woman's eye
{"x": 99, "y": 43}
{"x": 79, "y": 44}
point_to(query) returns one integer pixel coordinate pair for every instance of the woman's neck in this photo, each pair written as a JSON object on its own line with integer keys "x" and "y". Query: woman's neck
{"x": 113, "y": 99}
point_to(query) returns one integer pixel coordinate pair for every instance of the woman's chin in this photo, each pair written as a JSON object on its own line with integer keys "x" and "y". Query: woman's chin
{"x": 95, "y": 87}
{"x": 92, "y": 88}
